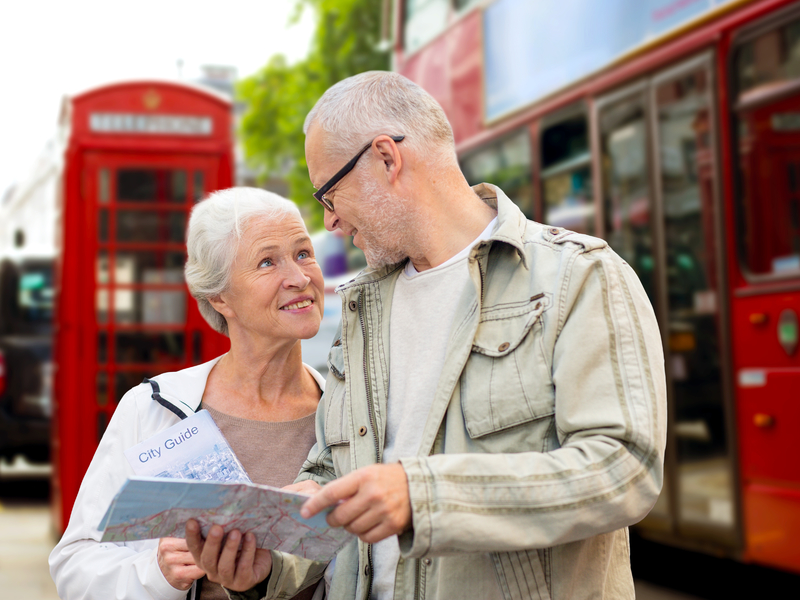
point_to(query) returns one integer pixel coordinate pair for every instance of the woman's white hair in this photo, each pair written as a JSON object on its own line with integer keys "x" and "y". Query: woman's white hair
{"x": 214, "y": 231}
{"x": 362, "y": 107}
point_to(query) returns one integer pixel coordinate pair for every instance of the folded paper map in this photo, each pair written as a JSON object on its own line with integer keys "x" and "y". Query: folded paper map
{"x": 148, "y": 508}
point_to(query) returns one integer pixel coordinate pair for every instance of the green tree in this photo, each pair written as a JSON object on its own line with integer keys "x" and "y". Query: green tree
{"x": 279, "y": 96}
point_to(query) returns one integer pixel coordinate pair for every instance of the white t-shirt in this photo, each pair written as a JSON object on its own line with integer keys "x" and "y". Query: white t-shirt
{"x": 421, "y": 319}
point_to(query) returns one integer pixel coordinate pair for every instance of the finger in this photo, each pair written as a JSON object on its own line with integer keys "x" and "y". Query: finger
{"x": 352, "y": 509}
{"x": 244, "y": 565}
{"x": 188, "y": 573}
{"x": 330, "y": 494}
{"x": 303, "y": 487}
{"x": 380, "y": 532}
{"x": 194, "y": 572}
{"x": 194, "y": 541}
{"x": 360, "y": 522}
{"x": 209, "y": 559}
{"x": 226, "y": 567}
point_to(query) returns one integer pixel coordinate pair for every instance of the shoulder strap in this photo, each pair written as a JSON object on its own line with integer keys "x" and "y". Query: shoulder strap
{"x": 166, "y": 404}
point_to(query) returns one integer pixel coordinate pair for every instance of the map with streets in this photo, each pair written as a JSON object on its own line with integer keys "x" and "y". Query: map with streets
{"x": 149, "y": 508}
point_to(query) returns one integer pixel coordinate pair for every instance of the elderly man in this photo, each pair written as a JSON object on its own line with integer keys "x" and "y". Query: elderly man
{"x": 494, "y": 417}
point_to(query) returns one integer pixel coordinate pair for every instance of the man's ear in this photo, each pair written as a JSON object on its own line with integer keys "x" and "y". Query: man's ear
{"x": 388, "y": 152}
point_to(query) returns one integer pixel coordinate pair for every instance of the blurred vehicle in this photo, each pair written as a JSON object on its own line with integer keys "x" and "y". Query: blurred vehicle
{"x": 340, "y": 261}
{"x": 672, "y": 130}
{"x": 26, "y": 358}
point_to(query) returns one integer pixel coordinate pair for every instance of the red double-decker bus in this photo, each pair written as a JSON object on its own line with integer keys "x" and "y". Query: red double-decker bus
{"x": 670, "y": 128}
{"x": 138, "y": 155}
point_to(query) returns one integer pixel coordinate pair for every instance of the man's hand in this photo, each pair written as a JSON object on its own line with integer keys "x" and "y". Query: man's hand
{"x": 224, "y": 563}
{"x": 304, "y": 487}
{"x": 373, "y": 502}
{"x": 177, "y": 564}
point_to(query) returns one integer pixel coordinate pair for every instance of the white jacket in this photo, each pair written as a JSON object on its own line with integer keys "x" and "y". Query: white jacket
{"x": 82, "y": 567}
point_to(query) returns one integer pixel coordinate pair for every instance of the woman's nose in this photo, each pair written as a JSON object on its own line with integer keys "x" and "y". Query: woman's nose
{"x": 296, "y": 277}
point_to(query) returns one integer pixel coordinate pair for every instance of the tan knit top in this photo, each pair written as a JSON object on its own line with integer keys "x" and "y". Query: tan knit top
{"x": 272, "y": 453}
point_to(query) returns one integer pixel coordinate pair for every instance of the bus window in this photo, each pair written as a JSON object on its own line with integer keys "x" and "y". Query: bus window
{"x": 626, "y": 189}
{"x": 766, "y": 70}
{"x": 686, "y": 163}
{"x": 506, "y": 164}
{"x": 566, "y": 174}
{"x": 424, "y": 20}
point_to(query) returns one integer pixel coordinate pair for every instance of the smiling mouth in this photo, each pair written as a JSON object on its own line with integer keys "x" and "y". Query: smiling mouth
{"x": 296, "y": 305}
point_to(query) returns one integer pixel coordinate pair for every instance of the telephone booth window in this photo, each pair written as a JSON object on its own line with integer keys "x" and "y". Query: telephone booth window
{"x": 199, "y": 186}
{"x": 141, "y": 299}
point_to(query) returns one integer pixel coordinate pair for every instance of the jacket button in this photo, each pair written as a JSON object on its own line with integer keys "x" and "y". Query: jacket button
{"x": 427, "y": 562}
{"x": 337, "y": 342}
{"x": 503, "y": 347}
{"x": 554, "y": 231}
{"x": 362, "y": 431}
{"x": 353, "y": 305}
{"x": 366, "y": 570}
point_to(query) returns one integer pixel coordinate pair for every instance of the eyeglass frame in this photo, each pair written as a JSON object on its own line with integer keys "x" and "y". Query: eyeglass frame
{"x": 340, "y": 174}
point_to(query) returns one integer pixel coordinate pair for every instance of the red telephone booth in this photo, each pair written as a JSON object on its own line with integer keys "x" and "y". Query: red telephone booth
{"x": 138, "y": 156}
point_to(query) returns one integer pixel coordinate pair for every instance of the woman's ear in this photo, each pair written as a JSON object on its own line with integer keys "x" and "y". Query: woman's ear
{"x": 222, "y": 307}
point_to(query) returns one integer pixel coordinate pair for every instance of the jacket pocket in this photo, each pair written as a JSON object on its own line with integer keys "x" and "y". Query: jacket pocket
{"x": 521, "y": 575}
{"x": 507, "y": 380}
{"x": 337, "y": 431}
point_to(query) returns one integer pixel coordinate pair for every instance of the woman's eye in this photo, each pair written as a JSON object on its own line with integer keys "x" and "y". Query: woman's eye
{"x": 267, "y": 262}
{"x": 303, "y": 255}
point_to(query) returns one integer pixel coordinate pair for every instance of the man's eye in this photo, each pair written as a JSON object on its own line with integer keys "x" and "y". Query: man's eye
{"x": 303, "y": 255}
{"x": 267, "y": 262}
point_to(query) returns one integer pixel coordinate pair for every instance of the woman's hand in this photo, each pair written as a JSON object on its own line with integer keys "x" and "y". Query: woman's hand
{"x": 177, "y": 564}
{"x": 224, "y": 563}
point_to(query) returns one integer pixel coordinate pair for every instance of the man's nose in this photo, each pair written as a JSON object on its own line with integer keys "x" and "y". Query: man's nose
{"x": 331, "y": 220}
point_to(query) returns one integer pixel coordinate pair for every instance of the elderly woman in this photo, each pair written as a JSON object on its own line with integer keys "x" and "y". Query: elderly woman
{"x": 252, "y": 270}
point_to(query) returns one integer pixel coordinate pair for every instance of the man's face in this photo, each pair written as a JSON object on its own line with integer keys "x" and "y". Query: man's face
{"x": 365, "y": 209}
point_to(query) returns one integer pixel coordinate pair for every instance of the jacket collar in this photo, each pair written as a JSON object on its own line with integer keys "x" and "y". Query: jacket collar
{"x": 511, "y": 222}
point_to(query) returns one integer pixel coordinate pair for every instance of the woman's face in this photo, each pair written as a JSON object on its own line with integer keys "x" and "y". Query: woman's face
{"x": 276, "y": 290}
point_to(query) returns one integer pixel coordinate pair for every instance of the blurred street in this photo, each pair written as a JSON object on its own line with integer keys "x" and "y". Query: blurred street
{"x": 26, "y": 536}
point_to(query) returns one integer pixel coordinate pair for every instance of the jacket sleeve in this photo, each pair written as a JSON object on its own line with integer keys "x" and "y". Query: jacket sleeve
{"x": 609, "y": 416}
{"x": 83, "y": 567}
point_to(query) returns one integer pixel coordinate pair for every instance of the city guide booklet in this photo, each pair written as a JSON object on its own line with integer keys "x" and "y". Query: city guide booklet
{"x": 189, "y": 471}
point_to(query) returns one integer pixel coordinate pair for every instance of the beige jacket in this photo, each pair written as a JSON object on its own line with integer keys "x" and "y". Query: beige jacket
{"x": 546, "y": 435}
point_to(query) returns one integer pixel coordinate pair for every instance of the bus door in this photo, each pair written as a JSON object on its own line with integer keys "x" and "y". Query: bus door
{"x": 766, "y": 299}
{"x": 140, "y": 318}
{"x": 660, "y": 213}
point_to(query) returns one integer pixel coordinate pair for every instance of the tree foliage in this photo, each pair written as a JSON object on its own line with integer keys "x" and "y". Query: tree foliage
{"x": 279, "y": 96}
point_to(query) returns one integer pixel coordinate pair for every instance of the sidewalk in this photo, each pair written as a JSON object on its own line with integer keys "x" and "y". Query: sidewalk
{"x": 25, "y": 543}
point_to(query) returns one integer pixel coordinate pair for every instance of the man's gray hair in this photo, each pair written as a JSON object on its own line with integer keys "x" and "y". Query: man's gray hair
{"x": 214, "y": 231}
{"x": 362, "y": 107}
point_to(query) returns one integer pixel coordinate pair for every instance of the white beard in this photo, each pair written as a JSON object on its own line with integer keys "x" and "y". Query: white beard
{"x": 388, "y": 234}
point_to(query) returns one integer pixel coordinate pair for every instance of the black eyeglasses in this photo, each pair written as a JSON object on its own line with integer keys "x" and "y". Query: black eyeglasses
{"x": 320, "y": 193}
